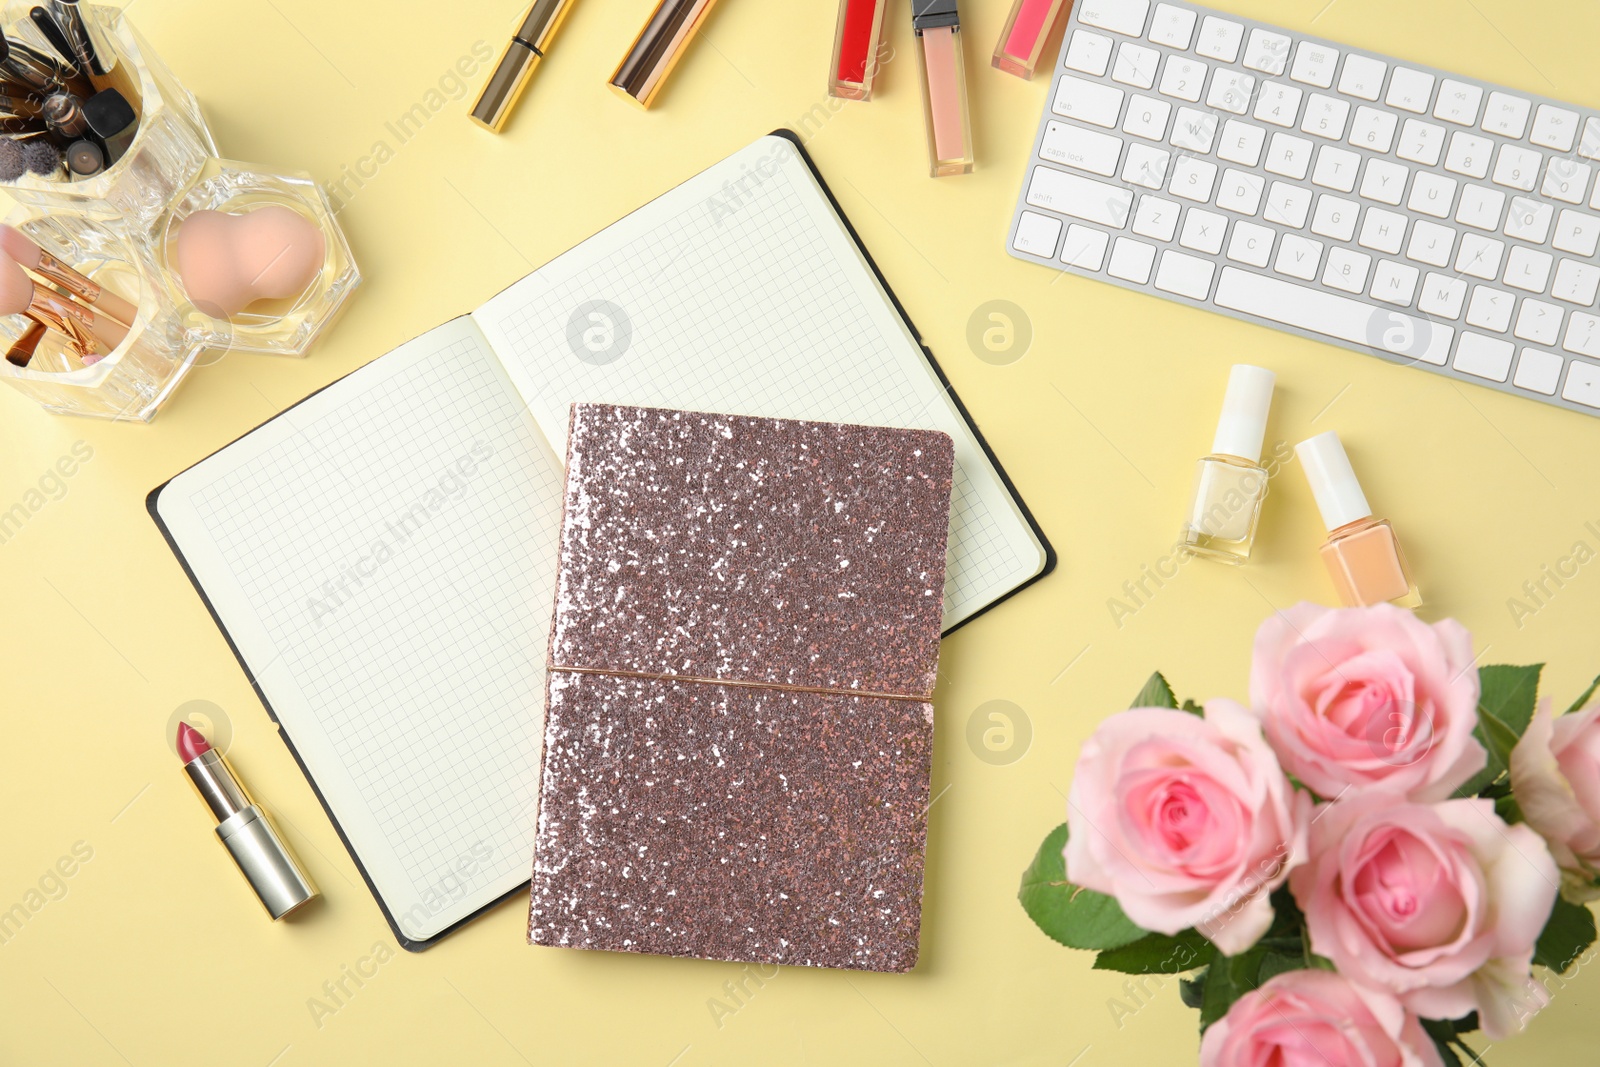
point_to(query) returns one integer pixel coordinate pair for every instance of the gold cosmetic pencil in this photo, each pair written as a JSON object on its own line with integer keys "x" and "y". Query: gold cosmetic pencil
{"x": 522, "y": 54}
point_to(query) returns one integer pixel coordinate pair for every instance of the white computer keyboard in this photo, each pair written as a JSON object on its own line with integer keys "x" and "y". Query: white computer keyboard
{"x": 1422, "y": 216}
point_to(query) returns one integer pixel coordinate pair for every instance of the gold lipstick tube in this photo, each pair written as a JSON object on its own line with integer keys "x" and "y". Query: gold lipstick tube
{"x": 658, "y": 48}
{"x": 515, "y": 68}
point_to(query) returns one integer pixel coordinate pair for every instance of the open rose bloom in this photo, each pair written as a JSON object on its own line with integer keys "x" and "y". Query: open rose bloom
{"x": 1186, "y": 821}
{"x": 1555, "y": 773}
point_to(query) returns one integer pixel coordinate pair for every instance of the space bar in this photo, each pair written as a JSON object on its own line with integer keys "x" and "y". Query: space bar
{"x": 1369, "y": 325}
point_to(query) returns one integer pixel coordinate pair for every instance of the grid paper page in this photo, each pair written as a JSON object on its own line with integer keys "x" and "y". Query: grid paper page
{"x": 387, "y": 552}
{"x": 741, "y": 292}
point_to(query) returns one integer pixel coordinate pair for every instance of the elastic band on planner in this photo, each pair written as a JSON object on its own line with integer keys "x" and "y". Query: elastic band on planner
{"x": 777, "y": 686}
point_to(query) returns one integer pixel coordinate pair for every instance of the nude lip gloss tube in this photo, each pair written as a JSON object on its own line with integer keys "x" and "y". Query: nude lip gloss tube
{"x": 855, "y": 49}
{"x": 1022, "y": 40}
{"x": 937, "y": 26}
{"x": 1362, "y": 553}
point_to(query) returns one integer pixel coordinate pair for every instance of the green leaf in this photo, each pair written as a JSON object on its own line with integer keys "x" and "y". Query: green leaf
{"x": 1577, "y": 705}
{"x": 1566, "y": 937}
{"x": 1155, "y": 694}
{"x": 1508, "y": 809}
{"x": 1192, "y": 991}
{"x": 1070, "y": 914}
{"x": 1443, "y": 1034}
{"x": 1158, "y": 954}
{"x": 1230, "y": 978}
{"x": 1506, "y": 699}
{"x": 1276, "y": 963}
{"x": 1194, "y": 709}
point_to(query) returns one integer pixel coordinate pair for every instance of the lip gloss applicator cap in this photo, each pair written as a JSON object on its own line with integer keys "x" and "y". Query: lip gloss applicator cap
{"x": 1333, "y": 481}
{"x": 1243, "y": 425}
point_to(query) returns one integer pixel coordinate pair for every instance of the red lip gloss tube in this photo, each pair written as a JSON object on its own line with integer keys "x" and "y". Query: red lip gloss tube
{"x": 856, "y": 49}
{"x": 1022, "y": 41}
{"x": 251, "y": 839}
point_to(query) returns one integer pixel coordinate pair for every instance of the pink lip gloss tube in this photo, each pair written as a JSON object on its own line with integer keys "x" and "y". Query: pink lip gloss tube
{"x": 1022, "y": 41}
{"x": 944, "y": 86}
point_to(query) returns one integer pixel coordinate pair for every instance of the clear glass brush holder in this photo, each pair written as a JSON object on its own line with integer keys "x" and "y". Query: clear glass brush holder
{"x": 137, "y": 377}
{"x": 171, "y": 143}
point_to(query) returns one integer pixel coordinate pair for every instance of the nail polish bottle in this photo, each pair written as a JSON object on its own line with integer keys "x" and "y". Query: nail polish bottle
{"x": 1362, "y": 553}
{"x": 1231, "y": 483}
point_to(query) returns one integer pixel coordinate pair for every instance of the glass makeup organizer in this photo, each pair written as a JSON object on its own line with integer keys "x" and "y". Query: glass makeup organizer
{"x": 120, "y": 226}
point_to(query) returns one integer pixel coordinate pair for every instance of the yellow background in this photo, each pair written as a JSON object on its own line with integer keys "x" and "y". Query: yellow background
{"x": 157, "y": 955}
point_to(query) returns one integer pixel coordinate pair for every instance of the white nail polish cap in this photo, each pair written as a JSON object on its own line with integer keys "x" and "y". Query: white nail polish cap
{"x": 1333, "y": 481}
{"x": 1243, "y": 425}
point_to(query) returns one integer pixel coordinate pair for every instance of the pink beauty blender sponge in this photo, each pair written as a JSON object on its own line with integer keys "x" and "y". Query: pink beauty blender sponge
{"x": 228, "y": 262}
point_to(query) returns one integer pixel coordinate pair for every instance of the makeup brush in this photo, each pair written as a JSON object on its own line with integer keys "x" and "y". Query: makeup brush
{"x": 51, "y": 29}
{"x": 72, "y": 24}
{"x": 12, "y": 165}
{"x": 22, "y": 248}
{"x": 90, "y": 333}
{"x": 20, "y": 354}
{"x": 35, "y": 71}
{"x": 42, "y": 158}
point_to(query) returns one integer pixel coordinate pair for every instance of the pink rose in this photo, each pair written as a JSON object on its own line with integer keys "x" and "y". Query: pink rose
{"x": 1438, "y": 904}
{"x": 1317, "y": 1019}
{"x": 1360, "y": 697}
{"x": 1186, "y": 821}
{"x": 1555, "y": 774}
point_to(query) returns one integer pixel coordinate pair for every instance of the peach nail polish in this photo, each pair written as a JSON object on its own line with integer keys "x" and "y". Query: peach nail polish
{"x": 1362, "y": 553}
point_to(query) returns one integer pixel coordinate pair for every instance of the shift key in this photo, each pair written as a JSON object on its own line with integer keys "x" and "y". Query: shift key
{"x": 1081, "y": 198}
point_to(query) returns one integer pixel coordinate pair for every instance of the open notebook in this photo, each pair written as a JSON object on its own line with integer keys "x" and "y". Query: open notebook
{"x": 381, "y": 556}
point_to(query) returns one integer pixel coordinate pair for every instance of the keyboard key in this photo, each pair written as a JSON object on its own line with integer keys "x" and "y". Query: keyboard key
{"x": 1528, "y": 220}
{"x": 1172, "y": 26}
{"x": 1289, "y": 156}
{"x": 1279, "y": 104}
{"x": 1219, "y": 39}
{"x": 1241, "y": 191}
{"x": 1184, "y": 78}
{"x": 1469, "y": 154}
{"x": 1363, "y": 77}
{"x": 1131, "y": 261}
{"x": 1314, "y": 64}
{"x": 1336, "y": 169}
{"x": 1517, "y": 168}
{"x": 1577, "y": 233}
{"x": 1089, "y": 53}
{"x": 1193, "y": 179}
{"x": 1119, "y": 16}
{"x": 1395, "y": 283}
{"x": 1136, "y": 65}
{"x": 1528, "y": 270}
{"x": 1555, "y": 128}
{"x": 1458, "y": 103}
{"x": 1443, "y": 296}
{"x": 1539, "y": 322}
{"x": 1589, "y": 147}
{"x": 1287, "y": 205}
{"x": 1231, "y": 91}
{"x": 1085, "y": 247}
{"x": 1576, "y": 283}
{"x": 1566, "y": 180}
{"x": 1373, "y": 129}
{"x": 1347, "y": 270}
{"x": 1431, "y": 243}
{"x": 1421, "y": 142}
{"x": 1480, "y": 256}
{"x": 1251, "y": 244}
{"x": 1147, "y": 117}
{"x": 1074, "y": 146}
{"x": 1583, "y": 334}
{"x": 1340, "y": 317}
{"x": 1538, "y": 371}
{"x": 1481, "y": 207}
{"x": 1383, "y": 231}
{"x": 1298, "y": 257}
{"x": 1507, "y": 115}
{"x": 1335, "y": 218}
{"x": 1384, "y": 182}
{"x": 1146, "y": 166}
{"x": 1487, "y": 357}
{"x": 1583, "y": 383}
{"x": 1432, "y": 194}
{"x": 1326, "y": 117}
{"x": 1267, "y": 52}
{"x": 1241, "y": 143}
{"x": 1410, "y": 90}
{"x": 1490, "y": 309}
{"x": 1091, "y": 102}
{"x": 1203, "y": 231}
{"x": 1195, "y": 130}
{"x": 1156, "y": 218}
{"x": 1037, "y": 234}
{"x": 1081, "y": 198}
{"x": 1183, "y": 275}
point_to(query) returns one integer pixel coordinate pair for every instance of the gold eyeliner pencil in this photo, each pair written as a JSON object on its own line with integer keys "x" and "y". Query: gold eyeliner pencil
{"x": 511, "y": 75}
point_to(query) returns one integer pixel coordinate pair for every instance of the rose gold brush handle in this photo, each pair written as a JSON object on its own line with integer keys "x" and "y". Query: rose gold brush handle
{"x": 90, "y": 333}
{"x": 84, "y": 289}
